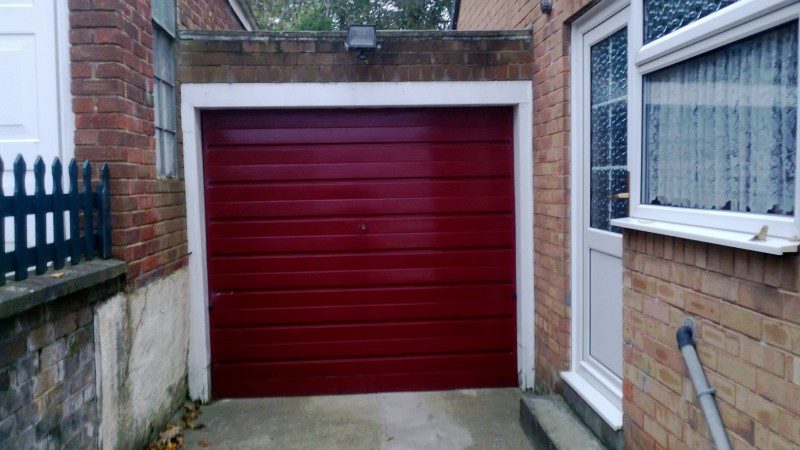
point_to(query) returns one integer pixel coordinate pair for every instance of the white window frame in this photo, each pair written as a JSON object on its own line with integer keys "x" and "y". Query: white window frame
{"x": 733, "y": 23}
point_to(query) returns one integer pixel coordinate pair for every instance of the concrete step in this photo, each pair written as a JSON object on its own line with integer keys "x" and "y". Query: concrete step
{"x": 609, "y": 437}
{"x": 550, "y": 424}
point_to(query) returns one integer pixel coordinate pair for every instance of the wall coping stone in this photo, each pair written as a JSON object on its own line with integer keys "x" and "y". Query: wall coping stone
{"x": 212, "y": 35}
{"x": 19, "y": 296}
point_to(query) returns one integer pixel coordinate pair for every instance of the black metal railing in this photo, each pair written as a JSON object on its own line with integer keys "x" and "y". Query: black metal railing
{"x": 89, "y": 219}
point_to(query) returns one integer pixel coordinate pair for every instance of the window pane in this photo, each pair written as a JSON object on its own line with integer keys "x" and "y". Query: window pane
{"x": 720, "y": 130}
{"x": 608, "y": 128}
{"x": 163, "y": 56}
{"x": 167, "y": 106}
{"x": 662, "y": 17}
{"x": 159, "y": 152}
{"x": 170, "y": 154}
{"x": 163, "y": 12}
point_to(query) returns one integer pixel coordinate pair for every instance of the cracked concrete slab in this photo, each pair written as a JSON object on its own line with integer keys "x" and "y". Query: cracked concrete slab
{"x": 465, "y": 419}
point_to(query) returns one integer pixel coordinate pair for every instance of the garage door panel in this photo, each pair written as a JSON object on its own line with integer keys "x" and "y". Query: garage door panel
{"x": 359, "y": 207}
{"x": 363, "y": 366}
{"x": 395, "y": 296}
{"x": 362, "y": 313}
{"x": 358, "y": 261}
{"x": 360, "y": 331}
{"x": 378, "y": 348}
{"x": 349, "y": 171}
{"x": 364, "y": 278}
{"x": 226, "y": 155}
{"x": 343, "y": 225}
{"x": 346, "y": 243}
{"x": 369, "y": 254}
{"x": 338, "y": 118}
{"x": 325, "y": 385}
{"x": 371, "y": 189}
{"x": 288, "y": 136}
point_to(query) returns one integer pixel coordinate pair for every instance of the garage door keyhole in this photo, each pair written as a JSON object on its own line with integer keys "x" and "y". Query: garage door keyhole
{"x": 362, "y": 228}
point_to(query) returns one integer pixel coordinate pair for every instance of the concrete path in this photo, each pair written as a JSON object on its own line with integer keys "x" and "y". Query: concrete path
{"x": 479, "y": 419}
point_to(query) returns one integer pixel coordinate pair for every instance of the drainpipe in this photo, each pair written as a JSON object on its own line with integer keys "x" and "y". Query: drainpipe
{"x": 705, "y": 393}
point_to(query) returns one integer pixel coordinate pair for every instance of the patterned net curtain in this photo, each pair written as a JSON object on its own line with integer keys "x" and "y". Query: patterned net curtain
{"x": 720, "y": 130}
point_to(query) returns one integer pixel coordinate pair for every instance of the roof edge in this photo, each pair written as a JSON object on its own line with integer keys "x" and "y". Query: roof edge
{"x": 242, "y": 10}
{"x": 317, "y": 35}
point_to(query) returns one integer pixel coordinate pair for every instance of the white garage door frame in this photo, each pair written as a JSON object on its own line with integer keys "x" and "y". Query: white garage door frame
{"x": 204, "y": 96}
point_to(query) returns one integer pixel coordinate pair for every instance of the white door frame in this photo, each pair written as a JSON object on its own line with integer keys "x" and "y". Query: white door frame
{"x": 582, "y": 377}
{"x": 197, "y": 97}
{"x": 67, "y": 117}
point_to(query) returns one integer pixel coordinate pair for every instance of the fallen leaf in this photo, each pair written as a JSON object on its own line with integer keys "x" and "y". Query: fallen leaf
{"x": 762, "y": 234}
{"x": 173, "y": 430}
{"x": 194, "y": 426}
{"x": 203, "y": 443}
{"x": 191, "y": 406}
{"x": 58, "y": 274}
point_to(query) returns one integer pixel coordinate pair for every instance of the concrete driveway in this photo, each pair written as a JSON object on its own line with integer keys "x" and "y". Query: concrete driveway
{"x": 480, "y": 419}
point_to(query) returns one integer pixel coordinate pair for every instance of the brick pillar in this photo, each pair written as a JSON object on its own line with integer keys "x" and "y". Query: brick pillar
{"x": 112, "y": 89}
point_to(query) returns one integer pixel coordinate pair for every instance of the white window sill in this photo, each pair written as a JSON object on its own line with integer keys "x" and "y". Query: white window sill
{"x": 772, "y": 245}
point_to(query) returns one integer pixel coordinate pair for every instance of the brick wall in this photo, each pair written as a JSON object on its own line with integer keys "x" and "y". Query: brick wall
{"x": 496, "y": 14}
{"x": 112, "y": 89}
{"x": 747, "y": 308}
{"x": 207, "y": 15}
{"x": 322, "y": 57}
{"x": 551, "y": 167}
{"x": 747, "y": 303}
{"x": 47, "y": 373}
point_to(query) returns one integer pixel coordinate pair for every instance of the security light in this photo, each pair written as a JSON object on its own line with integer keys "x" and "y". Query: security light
{"x": 361, "y": 38}
{"x": 546, "y": 6}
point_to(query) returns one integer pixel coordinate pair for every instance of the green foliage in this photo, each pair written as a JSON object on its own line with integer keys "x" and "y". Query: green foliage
{"x": 326, "y": 15}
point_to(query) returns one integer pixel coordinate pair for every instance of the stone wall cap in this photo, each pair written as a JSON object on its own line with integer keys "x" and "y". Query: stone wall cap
{"x": 19, "y": 296}
{"x": 212, "y": 35}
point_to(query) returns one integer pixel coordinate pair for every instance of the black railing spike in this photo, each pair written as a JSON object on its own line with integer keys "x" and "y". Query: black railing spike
{"x": 3, "y": 256}
{"x": 59, "y": 245}
{"x": 20, "y": 221}
{"x": 88, "y": 212}
{"x": 74, "y": 217}
{"x": 105, "y": 212}
{"x": 40, "y": 216}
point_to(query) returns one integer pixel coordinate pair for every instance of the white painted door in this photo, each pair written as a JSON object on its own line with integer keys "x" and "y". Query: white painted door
{"x": 602, "y": 171}
{"x": 35, "y": 114}
{"x": 29, "y": 80}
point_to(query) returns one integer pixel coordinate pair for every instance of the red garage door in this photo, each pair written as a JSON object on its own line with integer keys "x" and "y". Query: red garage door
{"x": 360, "y": 250}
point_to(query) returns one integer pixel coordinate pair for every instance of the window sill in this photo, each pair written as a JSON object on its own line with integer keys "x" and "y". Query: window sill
{"x": 772, "y": 245}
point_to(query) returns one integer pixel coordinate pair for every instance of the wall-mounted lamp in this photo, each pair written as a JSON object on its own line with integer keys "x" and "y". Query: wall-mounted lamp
{"x": 546, "y": 6}
{"x": 361, "y": 38}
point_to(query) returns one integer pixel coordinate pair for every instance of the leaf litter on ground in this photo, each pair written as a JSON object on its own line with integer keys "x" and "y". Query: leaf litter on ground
{"x": 172, "y": 436}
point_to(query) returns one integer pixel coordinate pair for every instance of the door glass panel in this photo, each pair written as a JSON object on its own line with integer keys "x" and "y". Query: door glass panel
{"x": 609, "y": 125}
{"x": 662, "y": 17}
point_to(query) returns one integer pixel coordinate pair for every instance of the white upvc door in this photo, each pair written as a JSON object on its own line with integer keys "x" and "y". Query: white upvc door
{"x": 600, "y": 186}
{"x": 35, "y": 106}
{"x": 30, "y": 117}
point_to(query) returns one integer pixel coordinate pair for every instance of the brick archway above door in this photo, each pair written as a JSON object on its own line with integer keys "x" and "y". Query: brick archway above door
{"x": 360, "y": 250}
